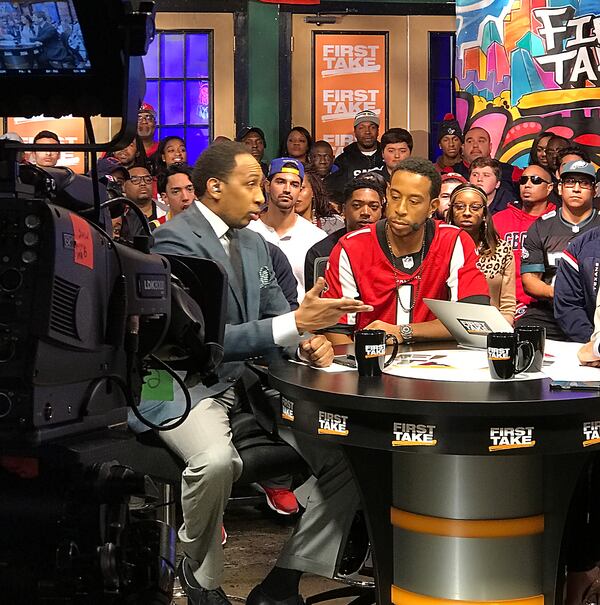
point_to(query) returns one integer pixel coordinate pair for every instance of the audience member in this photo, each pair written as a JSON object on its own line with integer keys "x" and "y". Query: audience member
{"x": 133, "y": 155}
{"x": 469, "y": 211}
{"x": 396, "y": 145}
{"x": 589, "y": 354}
{"x": 361, "y": 156}
{"x": 175, "y": 187}
{"x": 321, "y": 159}
{"x": 537, "y": 155}
{"x": 289, "y": 286}
{"x": 256, "y": 143}
{"x": 576, "y": 287}
{"x": 227, "y": 180}
{"x": 564, "y": 155}
{"x": 555, "y": 143}
{"x": 512, "y": 224}
{"x": 487, "y": 173}
{"x": 397, "y": 262}
{"x": 549, "y": 236}
{"x": 478, "y": 144}
{"x": 363, "y": 205}
{"x": 450, "y": 139}
{"x": 146, "y": 128}
{"x": 138, "y": 188}
{"x": 450, "y": 181}
{"x": 297, "y": 144}
{"x": 171, "y": 150}
{"x": 279, "y": 224}
{"x": 45, "y": 159}
{"x": 313, "y": 204}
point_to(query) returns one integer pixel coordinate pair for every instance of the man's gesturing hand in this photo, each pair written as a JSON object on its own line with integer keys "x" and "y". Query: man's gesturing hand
{"x": 317, "y": 313}
{"x": 318, "y": 351}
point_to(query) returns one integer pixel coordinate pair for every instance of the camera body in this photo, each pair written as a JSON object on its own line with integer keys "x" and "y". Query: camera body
{"x": 80, "y": 318}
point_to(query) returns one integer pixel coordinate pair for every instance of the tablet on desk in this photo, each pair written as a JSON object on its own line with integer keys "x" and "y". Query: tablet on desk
{"x": 467, "y": 322}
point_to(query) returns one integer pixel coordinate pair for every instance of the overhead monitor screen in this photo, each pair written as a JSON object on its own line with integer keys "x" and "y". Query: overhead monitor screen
{"x": 41, "y": 38}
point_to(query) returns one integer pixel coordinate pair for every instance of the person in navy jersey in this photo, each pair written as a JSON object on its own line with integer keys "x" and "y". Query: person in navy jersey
{"x": 543, "y": 251}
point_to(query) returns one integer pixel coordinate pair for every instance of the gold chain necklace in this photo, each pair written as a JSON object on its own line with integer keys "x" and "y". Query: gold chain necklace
{"x": 402, "y": 282}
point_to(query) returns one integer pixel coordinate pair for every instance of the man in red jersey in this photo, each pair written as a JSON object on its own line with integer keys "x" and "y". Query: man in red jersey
{"x": 397, "y": 262}
{"x": 512, "y": 223}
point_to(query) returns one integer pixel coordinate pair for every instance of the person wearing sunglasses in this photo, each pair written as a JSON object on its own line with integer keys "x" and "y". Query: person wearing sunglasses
{"x": 138, "y": 188}
{"x": 535, "y": 186}
{"x": 547, "y": 238}
{"x": 469, "y": 210}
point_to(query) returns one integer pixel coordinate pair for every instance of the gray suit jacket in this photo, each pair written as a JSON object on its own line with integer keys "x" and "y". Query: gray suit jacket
{"x": 249, "y": 331}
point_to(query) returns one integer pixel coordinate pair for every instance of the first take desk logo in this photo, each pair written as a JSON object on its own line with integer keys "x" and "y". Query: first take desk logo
{"x": 591, "y": 433}
{"x": 332, "y": 424}
{"x": 473, "y": 326}
{"x": 287, "y": 409}
{"x": 408, "y": 434}
{"x": 511, "y": 438}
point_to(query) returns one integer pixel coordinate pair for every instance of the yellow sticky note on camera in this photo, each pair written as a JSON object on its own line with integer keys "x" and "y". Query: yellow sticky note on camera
{"x": 158, "y": 384}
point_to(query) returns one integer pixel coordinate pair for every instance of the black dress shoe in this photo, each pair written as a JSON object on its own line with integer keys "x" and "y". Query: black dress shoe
{"x": 196, "y": 594}
{"x": 258, "y": 596}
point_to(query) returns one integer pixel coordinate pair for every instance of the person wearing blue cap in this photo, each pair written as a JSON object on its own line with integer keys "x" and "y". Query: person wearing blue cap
{"x": 544, "y": 255}
{"x": 280, "y": 224}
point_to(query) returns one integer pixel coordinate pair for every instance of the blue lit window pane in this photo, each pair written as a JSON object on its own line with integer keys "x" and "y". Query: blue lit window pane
{"x": 197, "y": 55}
{"x": 198, "y": 102}
{"x": 171, "y": 106}
{"x": 197, "y": 141}
{"x": 151, "y": 96}
{"x": 441, "y": 97}
{"x": 440, "y": 56}
{"x": 171, "y": 56}
{"x": 172, "y": 131}
{"x": 151, "y": 60}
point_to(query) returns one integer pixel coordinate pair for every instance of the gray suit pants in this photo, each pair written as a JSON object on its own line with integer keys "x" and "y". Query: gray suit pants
{"x": 213, "y": 464}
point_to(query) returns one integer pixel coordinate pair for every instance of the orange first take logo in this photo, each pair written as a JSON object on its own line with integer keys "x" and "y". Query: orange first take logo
{"x": 332, "y": 424}
{"x": 591, "y": 433}
{"x": 511, "y": 438}
{"x": 408, "y": 434}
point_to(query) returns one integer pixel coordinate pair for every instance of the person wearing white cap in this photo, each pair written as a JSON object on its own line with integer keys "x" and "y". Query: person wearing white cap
{"x": 364, "y": 154}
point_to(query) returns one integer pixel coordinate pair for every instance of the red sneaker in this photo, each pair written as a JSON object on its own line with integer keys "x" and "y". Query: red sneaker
{"x": 223, "y": 536}
{"x": 281, "y": 500}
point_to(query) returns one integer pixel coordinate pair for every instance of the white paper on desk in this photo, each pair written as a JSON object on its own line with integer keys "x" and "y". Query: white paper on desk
{"x": 565, "y": 364}
{"x": 455, "y": 365}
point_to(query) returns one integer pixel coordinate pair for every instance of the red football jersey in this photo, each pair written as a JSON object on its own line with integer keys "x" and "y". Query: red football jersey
{"x": 358, "y": 268}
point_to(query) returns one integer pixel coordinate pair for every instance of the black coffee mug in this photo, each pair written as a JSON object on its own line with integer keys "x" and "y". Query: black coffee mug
{"x": 369, "y": 350}
{"x": 536, "y": 335}
{"x": 507, "y": 356}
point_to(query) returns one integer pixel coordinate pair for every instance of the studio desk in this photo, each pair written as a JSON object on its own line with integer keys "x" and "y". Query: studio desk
{"x": 465, "y": 486}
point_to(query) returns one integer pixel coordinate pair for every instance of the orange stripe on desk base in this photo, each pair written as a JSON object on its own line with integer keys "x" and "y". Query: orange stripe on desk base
{"x": 467, "y": 528}
{"x": 404, "y": 597}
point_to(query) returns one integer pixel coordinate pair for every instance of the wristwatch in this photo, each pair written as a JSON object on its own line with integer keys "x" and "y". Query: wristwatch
{"x": 407, "y": 333}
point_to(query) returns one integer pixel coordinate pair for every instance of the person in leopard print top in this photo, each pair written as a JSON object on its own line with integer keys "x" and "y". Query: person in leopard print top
{"x": 468, "y": 210}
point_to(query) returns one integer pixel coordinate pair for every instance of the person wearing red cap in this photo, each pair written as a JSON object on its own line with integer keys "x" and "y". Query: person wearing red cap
{"x": 450, "y": 139}
{"x": 146, "y": 127}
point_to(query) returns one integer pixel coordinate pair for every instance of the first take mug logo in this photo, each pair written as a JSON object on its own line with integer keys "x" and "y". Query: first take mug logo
{"x": 332, "y": 424}
{"x": 374, "y": 351}
{"x": 498, "y": 353}
{"x": 511, "y": 438}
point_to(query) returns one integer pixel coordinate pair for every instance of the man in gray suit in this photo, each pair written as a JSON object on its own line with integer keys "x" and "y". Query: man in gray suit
{"x": 227, "y": 182}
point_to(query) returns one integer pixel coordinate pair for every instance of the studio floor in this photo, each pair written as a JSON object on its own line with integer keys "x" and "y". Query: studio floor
{"x": 255, "y": 537}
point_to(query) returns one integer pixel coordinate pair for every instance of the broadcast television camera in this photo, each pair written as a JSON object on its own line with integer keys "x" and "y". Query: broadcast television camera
{"x": 83, "y": 319}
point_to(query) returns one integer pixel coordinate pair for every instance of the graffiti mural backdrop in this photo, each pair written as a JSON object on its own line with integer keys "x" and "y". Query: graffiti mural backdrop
{"x": 527, "y": 66}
